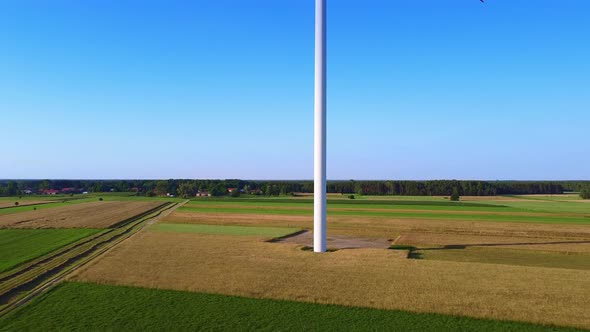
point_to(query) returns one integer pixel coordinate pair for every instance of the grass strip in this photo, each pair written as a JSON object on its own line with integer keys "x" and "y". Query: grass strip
{"x": 509, "y": 257}
{"x": 347, "y": 202}
{"x": 346, "y": 205}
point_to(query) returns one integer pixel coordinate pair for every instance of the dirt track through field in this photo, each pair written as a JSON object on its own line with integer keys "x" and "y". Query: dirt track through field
{"x": 98, "y": 214}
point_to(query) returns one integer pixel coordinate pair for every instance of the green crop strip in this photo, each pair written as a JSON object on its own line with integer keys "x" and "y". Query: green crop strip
{"x": 91, "y": 307}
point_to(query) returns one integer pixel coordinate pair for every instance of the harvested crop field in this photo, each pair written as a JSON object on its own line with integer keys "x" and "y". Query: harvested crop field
{"x": 377, "y": 278}
{"x": 98, "y": 214}
{"x": 270, "y": 232}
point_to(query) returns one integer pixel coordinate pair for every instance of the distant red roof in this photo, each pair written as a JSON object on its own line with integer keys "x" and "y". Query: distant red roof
{"x": 50, "y": 191}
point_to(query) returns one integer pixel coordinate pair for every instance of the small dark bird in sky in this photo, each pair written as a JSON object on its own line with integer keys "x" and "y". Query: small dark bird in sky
{"x": 482, "y": 1}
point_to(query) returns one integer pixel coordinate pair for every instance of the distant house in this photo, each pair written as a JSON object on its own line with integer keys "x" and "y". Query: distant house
{"x": 203, "y": 193}
{"x": 68, "y": 190}
{"x": 231, "y": 190}
{"x": 256, "y": 192}
{"x": 28, "y": 191}
{"x": 50, "y": 192}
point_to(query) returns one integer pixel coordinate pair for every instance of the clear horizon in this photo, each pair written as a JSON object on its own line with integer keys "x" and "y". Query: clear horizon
{"x": 224, "y": 90}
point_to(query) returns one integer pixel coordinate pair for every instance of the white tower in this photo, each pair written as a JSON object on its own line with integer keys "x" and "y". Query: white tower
{"x": 319, "y": 179}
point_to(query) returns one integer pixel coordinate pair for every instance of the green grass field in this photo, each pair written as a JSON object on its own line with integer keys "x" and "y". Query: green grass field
{"x": 18, "y": 246}
{"x": 92, "y": 307}
{"x": 88, "y": 306}
{"x": 550, "y": 204}
{"x": 509, "y": 257}
{"x": 368, "y": 203}
{"x": 551, "y": 219}
{"x": 224, "y": 230}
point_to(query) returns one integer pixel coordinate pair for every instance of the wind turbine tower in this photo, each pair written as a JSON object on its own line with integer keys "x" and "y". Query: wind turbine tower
{"x": 319, "y": 179}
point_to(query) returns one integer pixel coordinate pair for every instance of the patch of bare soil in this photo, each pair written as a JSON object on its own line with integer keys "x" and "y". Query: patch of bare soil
{"x": 82, "y": 215}
{"x": 336, "y": 241}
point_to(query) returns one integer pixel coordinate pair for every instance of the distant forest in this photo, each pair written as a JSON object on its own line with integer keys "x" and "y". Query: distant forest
{"x": 188, "y": 188}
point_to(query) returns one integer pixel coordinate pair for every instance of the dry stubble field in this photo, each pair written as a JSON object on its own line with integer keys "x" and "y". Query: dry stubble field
{"x": 98, "y": 214}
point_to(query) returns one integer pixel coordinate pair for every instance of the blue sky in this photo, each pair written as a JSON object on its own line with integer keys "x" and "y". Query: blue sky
{"x": 224, "y": 89}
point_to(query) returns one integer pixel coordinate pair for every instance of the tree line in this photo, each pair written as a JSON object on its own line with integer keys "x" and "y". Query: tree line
{"x": 188, "y": 187}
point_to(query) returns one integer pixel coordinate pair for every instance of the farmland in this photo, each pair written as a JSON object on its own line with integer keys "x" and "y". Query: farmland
{"x": 378, "y": 278}
{"x": 271, "y": 232}
{"x": 39, "y": 247}
{"x": 97, "y": 214}
{"x": 10, "y": 208}
{"x": 510, "y": 262}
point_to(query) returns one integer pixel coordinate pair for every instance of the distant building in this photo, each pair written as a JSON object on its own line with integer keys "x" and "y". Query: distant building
{"x": 231, "y": 190}
{"x": 50, "y": 192}
{"x": 203, "y": 193}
